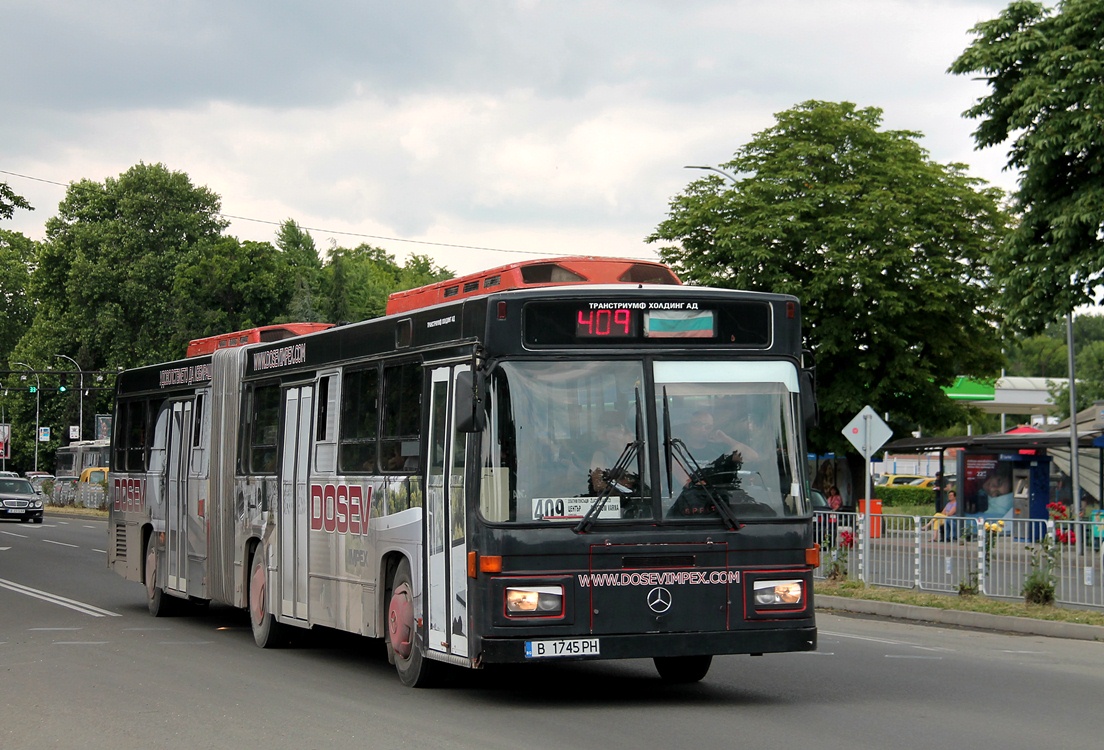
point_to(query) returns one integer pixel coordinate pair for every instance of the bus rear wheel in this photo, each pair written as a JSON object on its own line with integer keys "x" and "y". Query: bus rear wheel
{"x": 402, "y": 633}
{"x": 160, "y": 604}
{"x": 266, "y": 631}
{"x": 681, "y": 670}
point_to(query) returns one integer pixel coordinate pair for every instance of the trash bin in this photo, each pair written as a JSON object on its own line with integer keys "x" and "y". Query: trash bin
{"x": 875, "y": 519}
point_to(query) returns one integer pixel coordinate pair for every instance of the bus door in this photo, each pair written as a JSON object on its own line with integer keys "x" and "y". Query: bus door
{"x": 292, "y": 560}
{"x": 177, "y": 445}
{"x": 446, "y": 534}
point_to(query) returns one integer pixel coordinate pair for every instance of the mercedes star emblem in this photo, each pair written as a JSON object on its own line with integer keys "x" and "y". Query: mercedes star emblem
{"x": 659, "y": 600}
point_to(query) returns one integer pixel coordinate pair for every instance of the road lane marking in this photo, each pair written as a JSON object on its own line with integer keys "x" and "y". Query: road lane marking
{"x": 12, "y": 533}
{"x": 60, "y": 544}
{"x": 61, "y": 601}
{"x": 51, "y": 630}
{"x": 103, "y": 551}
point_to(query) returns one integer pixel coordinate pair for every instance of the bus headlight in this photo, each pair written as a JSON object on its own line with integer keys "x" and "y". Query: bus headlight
{"x": 534, "y": 600}
{"x": 767, "y": 593}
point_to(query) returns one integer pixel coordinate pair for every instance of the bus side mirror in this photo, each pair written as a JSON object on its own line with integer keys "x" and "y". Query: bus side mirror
{"x": 471, "y": 396}
{"x": 809, "y": 407}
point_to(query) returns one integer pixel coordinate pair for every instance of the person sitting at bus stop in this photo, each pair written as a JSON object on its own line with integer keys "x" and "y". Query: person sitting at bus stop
{"x": 936, "y": 525}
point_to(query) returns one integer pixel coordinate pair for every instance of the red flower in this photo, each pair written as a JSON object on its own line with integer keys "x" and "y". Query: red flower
{"x": 847, "y": 539}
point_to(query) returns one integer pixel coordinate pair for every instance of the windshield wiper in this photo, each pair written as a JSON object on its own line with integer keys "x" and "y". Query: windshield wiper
{"x": 615, "y": 474}
{"x": 674, "y": 448}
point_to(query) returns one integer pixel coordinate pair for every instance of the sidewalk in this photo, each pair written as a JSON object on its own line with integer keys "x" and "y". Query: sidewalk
{"x": 957, "y": 618}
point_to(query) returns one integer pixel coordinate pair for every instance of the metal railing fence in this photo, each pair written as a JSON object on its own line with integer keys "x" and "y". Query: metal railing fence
{"x": 959, "y": 555}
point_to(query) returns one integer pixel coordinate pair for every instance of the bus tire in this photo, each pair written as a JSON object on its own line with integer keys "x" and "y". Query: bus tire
{"x": 266, "y": 631}
{"x": 403, "y": 647}
{"x": 682, "y": 670}
{"x": 160, "y": 604}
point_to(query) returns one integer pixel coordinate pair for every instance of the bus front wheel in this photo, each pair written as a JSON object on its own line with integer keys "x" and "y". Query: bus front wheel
{"x": 680, "y": 670}
{"x": 402, "y": 643}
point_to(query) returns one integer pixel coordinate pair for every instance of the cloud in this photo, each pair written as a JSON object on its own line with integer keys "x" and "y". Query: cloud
{"x": 532, "y": 126}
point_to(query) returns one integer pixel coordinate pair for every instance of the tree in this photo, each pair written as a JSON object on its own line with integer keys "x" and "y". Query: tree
{"x": 229, "y": 285}
{"x": 885, "y": 248}
{"x": 16, "y": 306}
{"x": 1046, "y": 91}
{"x": 9, "y": 201}
{"x": 106, "y": 271}
{"x": 301, "y": 257}
{"x": 359, "y": 280}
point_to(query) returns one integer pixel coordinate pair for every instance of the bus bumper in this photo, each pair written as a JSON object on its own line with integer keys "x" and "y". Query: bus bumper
{"x": 648, "y": 645}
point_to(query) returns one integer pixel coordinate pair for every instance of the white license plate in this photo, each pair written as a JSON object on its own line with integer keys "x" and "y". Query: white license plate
{"x": 16, "y": 510}
{"x": 562, "y": 647}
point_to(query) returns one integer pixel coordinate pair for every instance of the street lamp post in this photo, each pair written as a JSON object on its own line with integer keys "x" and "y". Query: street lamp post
{"x": 80, "y": 414}
{"x": 38, "y": 397}
{"x": 713, "y": 169}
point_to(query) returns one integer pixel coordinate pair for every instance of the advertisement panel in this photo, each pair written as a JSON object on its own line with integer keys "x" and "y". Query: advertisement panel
{"x": 986, "y": 485}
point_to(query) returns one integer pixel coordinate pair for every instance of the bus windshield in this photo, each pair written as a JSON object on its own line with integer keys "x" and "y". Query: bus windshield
{"x": 565, "y": 435}
{"x": 729, "y": 438}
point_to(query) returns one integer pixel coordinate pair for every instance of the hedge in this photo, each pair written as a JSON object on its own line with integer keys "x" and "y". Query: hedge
{"x": 904, "y": 495}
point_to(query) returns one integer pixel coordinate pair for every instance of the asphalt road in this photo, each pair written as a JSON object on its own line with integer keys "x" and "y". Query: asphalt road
{"x": 82, "y": 665}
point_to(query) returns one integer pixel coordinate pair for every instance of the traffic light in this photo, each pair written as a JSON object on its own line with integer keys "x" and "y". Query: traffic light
{"x": 62, "y": 388}
{"x": 63, "y": 384}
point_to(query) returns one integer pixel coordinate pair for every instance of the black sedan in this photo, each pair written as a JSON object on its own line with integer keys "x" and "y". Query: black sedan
{"x": 18, "y": 499}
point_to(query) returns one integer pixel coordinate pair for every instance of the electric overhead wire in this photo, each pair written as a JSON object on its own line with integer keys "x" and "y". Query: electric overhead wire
{"x": 380, "y": 238}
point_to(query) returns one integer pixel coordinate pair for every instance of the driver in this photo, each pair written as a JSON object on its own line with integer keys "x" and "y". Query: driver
{"x": 707, "y": 443}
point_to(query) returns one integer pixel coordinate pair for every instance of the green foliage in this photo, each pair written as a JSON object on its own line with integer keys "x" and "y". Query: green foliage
{"x": 358, "y": 281}
{"x": 901, "y": 496}
{"x": 16, "y": 306}
{"x": 228, "y": 286}
{"x": 886, "y": 249}
{"x": 1045, "y": 75}
{"x": 10, "y": 200}
{"x": 106, "y": 273}
{"x": 1040, "y": 582}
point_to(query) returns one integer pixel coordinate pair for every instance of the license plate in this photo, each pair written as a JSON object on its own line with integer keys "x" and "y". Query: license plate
{"x": 562, "y": 647}
{"x": 16, "y": 510}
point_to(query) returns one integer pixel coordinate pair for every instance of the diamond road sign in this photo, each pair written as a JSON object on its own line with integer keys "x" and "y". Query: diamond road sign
{"x": 867, "y": 432}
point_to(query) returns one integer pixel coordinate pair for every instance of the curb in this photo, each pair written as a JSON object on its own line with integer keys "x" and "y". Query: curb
{"x": 958, "y": 618}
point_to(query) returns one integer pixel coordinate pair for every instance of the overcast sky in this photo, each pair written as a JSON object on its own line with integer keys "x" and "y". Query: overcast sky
{"x": 529, "y": 127}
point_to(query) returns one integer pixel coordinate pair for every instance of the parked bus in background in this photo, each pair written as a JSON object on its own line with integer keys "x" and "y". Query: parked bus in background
{"x": 72, "y": 459}
{"x": 517, "y": 476}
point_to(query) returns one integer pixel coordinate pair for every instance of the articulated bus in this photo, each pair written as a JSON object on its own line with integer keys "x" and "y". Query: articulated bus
{"x": 536, "y": 474}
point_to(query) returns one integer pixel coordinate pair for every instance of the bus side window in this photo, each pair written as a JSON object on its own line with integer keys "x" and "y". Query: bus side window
{"x": 263, "y": 429}
{"x": 402, "y": 394}
{"x": 359, "y": 397}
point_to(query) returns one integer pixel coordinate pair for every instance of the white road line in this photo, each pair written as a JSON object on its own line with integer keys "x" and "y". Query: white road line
{"x": 4, "y": 549}
{"x": 51, "y": 630}
{"x": 60, "y": 544}
{"x": 99, "y": 550}
{"x": 61, "y": 601}
{"x": 12, "y": 533}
